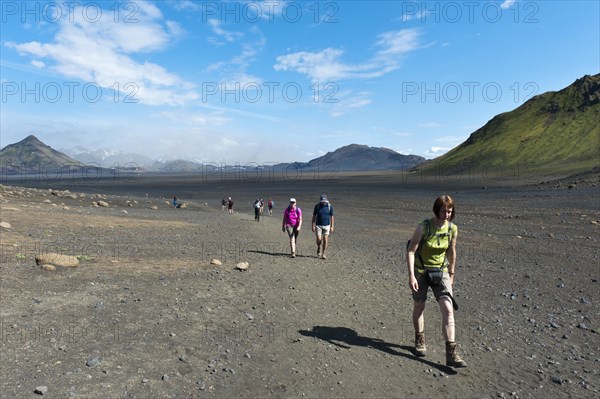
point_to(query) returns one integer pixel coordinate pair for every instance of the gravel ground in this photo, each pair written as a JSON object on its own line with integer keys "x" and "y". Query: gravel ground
{"x": 145, "y": 314}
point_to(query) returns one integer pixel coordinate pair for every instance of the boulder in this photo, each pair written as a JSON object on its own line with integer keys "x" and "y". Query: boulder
{"x": 216, "y": 262}
{"x": 56, "y": 260}
{"x": 103, "y": 204}
{"x": 5, "y": 225}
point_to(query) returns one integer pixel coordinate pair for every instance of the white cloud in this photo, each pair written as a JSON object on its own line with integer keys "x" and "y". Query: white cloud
{"x": 404, "y": 151}
{"x": 228, "y": 36}
{"x": 327, "y": 65}
{"x": 397, "y": 42}
{"x": 436, "y": 151}
{"x": 194, "y": 119}
{"x": 267, "y": 9}
{"x": 186, "y": 5}
{"x": 175, "y": 29}
{"x": 38, "y": 64}
{"x": 234, "y": 71}
{"x": 102, "y": 53}
{"x": 507, "y": 3}
{"x": 430, "y": 125}
{"x": 349, "y": 101}
{"x": 420, "y": 14}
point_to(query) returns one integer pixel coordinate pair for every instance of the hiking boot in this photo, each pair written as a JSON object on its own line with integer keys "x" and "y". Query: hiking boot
{"x": 318, "y": 252}
{"x": 420, "y": 349}
{"x": 323, "y": 256}
{"x": 453, "y": 359}
{"x": 293, "y": 255}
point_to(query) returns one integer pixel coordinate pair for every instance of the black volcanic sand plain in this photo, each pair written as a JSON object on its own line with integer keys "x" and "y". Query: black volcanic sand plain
{"x": 145, "y": 314}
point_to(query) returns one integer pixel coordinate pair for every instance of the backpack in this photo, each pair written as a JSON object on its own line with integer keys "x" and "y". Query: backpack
{"x": 427, "y": 236}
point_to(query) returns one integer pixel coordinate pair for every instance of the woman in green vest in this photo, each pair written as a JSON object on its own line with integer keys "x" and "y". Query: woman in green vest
{"x": 431, "y": 259}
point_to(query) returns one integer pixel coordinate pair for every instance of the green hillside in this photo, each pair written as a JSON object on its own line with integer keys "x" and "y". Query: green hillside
{"x": 555, "y": 132}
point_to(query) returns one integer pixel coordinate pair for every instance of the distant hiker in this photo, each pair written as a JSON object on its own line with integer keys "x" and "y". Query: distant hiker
{"x": 256, "y": 207}
{"x": 176, "y": 203}
{"x": 223, "y": 204}
{"x": 431, "y": 259}
{"x": 230, "y": 206}
{"x": 292, "y": 223}
{"x": 322, "y": 224}
{"x": 270, "y": 205}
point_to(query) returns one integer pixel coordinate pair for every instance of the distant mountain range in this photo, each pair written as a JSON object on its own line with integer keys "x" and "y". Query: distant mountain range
{"x": 30, "y": 153}
{"x": 108, "y": 158}
{"x": 552, "y": 133}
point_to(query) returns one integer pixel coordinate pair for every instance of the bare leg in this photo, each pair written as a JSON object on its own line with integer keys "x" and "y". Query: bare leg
{"x": 453, "y": 358}
{"x": 319, "y": 240}
{"x": 418, "y": 316}
{"x": 447, "y": 318}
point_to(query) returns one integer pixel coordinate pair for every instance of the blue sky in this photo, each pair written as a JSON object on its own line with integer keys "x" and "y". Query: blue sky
{"x": 272, "y": 81}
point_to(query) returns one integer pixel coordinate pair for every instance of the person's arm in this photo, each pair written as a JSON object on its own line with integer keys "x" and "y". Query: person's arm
{"x": 410, "y": 257}
{"x": 314, "y": 222}
{"x": 332, "y": 222}
{"x": 451, "y": 254}
{"x": 299, "y": 219}
{"x": 283, "y": 222}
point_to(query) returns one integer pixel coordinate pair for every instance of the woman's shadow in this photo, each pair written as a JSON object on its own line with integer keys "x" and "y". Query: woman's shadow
{"x": 345, "y": 337}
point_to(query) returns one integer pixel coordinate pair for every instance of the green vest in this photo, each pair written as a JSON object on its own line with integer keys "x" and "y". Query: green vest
{"x": 433, "y": 245}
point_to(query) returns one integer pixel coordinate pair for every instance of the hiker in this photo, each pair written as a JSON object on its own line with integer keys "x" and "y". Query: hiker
{"x": 322, "y": 224}
{"x": 431, "y": 259}
{"x": 230, "y": 206}
{"x": 292, "y": 223}
{"x": 270, "y": 205}
{"x": 262, "y": 205}
{"x": 223, "y": 204}
{"x": 175, "y": 202}
{"x": 256, "y": 207}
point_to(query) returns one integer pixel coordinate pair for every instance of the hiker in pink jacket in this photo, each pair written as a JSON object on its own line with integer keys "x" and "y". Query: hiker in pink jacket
{"x": 292, "y": 222}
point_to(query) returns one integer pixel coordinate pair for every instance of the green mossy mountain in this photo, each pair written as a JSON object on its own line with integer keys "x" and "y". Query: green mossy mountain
{"x": 31, "y": 155}
{"x": 552, "y": 133}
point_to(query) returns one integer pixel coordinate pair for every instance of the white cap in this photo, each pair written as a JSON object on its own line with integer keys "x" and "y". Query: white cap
{"x": 292, "y": 199}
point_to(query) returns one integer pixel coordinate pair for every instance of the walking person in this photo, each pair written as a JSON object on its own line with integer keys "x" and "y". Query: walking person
{"x": 270, "y": 205}
{"x": 322, "y": 225}
{"x": 431, "y": 259}
{"x": 230, "y": 206}
{"x": 292, "y": 223}
{"x": 257, "y": 211}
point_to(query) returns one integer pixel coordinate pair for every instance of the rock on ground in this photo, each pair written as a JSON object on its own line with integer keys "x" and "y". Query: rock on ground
{"x": 57, "y": 260}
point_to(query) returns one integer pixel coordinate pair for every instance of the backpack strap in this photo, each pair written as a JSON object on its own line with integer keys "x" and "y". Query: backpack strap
{"x": 424, "y": 238}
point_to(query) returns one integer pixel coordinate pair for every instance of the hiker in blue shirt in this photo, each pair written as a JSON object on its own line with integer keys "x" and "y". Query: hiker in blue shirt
{"x": 322, "y": 225}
